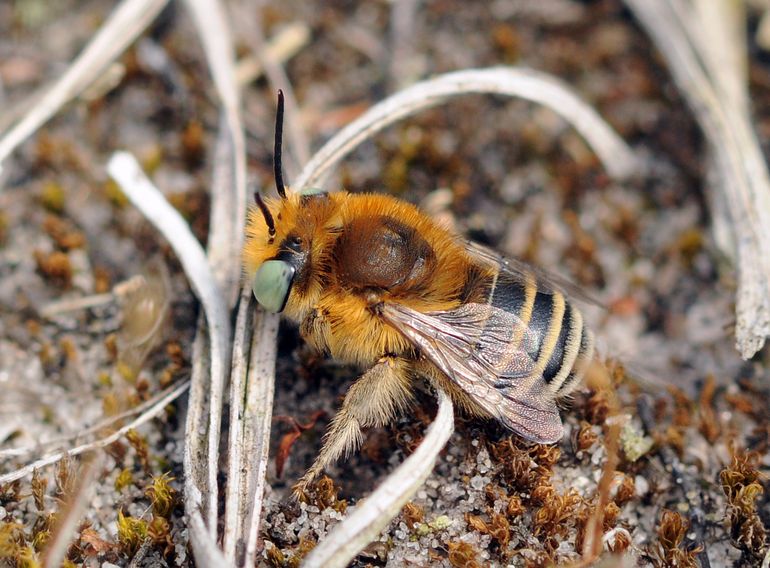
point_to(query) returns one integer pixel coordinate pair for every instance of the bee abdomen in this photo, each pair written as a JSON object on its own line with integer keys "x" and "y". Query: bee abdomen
{"x": 563, "y": 345}
{"x": 566, "y": 360}
{"x": 584, "y": 357}
{"x": 557, "y": 339}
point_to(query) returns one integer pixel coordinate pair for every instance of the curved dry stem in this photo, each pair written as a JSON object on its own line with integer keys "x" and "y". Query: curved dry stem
{"x": 717, "y": 98}
{"x": 228, "y": 213}
{"x": 71, "y": 511}
{"x": 205, "y": 549}
{"x": 617, "y": 157}
{"x": 299, "y": 144}
{"x": 201, "y": 462}
{"x": 251, "y": 398}
{"x": 99, "y": 426}
{"x": 151, "y": 413}
{"x": 259, "y": 417}
{"x": 120, "y": 30}
{"x": 251, "y": 410}
{"x": 236, "y": 468}
{"x": 348, "y": 538}
{"x": 283, "y": 46}
{"x": 225, "y": 242}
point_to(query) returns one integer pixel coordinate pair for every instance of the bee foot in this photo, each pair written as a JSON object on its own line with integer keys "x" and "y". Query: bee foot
{"x": 299, "y": 492}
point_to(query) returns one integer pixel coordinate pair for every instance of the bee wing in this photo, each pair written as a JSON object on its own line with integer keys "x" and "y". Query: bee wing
{"x": 484, "y": 350}
{"x": 547, "y": 282}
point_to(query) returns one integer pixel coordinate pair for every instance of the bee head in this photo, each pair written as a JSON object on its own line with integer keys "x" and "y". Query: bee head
{"x": 283, "y": 260}
{"x": 278, "y": 265}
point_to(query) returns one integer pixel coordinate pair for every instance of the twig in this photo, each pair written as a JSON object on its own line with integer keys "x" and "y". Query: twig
{"x": 101, "y": 425}
{"x": 197, "y": 460}
{"x": 250, "y": 418}
{"x": 94, "y": 300}
{"x": 151, "y": 413}
{"x": 348, "y": 538}
{"x": 251, "y": 398}
{"x": 228, "y": 208}
{"x": 141, "y": 554}
{"x": 58, "y": 307}
{"x": 297, "y": 138}
{"x": 124, "y": 168}
{"x": 69, "y": 514}
{"x": 223, "y": 249}
{"x": 592, "y": 543}
{"x": 692, "y": 43}
{"x": 259, "y": 405}
{"x": 122, "y": 27}
{"x": 541, "y": 88}
{"x": 225, "y": 242}
{"x": 287, "y": 42}
{"x": 401, "y": 59}
{"x": 205, "y": 550}
{"x": 236, "y": 468}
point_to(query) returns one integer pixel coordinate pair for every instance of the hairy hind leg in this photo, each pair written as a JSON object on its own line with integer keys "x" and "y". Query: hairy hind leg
{"x": 373, "y": 400}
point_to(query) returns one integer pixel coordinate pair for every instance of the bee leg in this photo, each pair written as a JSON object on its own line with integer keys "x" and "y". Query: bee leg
{"x": 373, "y": 400}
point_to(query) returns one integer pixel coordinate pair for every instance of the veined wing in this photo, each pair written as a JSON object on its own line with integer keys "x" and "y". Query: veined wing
{"x": 485, "y": 351}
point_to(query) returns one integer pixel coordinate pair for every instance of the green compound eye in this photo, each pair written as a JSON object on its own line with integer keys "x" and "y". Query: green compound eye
{"x": 312, "y": 191}
{"x": 272, "y": 284}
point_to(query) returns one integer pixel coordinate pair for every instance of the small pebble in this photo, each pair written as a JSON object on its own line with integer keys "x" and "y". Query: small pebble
{"x": 641, "y": 485}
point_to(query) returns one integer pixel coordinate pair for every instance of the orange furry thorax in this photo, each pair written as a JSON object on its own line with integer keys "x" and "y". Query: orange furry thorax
{"x": 360, "y": 249}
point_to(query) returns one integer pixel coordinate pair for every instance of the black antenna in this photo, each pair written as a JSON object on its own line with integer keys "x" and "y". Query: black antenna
{"x": 277, "y": 148}
{"x": 266, "y": 214}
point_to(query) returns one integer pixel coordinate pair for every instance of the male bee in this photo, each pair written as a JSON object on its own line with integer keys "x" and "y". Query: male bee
{"x": 374, "y": 282}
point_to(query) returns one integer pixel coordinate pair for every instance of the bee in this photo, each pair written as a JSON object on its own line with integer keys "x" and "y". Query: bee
{"x": 372, "y": 281}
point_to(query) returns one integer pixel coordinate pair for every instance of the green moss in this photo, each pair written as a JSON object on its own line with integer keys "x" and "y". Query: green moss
{"x": 440, "y": 523}
{"x": 131, "y": 533}
{"x": 53, "y": 196}
{"x": 115, "y": 194}
{"x": 124, "y": 479}
{"x": 634, "y": 443}
{"x": 162, "y": 495}
{"x": 27, "y": 558}
{"x": 3, "y": 227}
{"x": 11, "y": 537}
